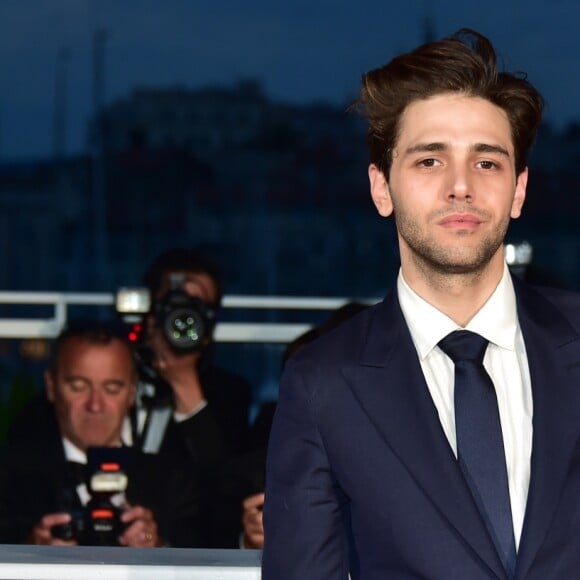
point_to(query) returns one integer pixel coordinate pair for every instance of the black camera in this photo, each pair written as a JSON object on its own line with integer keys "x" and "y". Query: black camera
{"x": 99, "y": 522}
{"x": 186, "y": 321}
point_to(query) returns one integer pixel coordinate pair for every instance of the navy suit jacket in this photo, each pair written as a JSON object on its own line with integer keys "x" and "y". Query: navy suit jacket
{"x": 361, "y": 478}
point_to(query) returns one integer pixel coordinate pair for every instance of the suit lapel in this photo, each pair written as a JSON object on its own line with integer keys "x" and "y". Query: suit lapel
{"x": 552, "y": 347}
{"x": 390, "y": 387}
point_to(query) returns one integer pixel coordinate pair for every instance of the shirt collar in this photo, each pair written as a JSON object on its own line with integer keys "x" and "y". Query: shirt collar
{"x": 72, "y": 452}
{"x": 496, "y": 320}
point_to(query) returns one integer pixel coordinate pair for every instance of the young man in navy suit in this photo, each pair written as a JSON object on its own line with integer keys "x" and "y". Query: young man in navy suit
{"x": 366, "y": 470}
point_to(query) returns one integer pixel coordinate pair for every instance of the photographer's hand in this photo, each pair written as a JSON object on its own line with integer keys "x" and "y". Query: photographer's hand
{"x": 141, "y": 530}
{"x": 41, "y": 533}
{"x": 253, "y": 522}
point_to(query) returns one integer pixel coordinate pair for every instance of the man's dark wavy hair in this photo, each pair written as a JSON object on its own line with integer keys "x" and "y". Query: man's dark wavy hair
{"x": 464, "y": 63}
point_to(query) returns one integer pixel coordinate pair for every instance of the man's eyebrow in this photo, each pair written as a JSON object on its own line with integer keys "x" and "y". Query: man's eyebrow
{"x": 426, "y": 148}
{"x": 74, "y": 377}
{"x": 487, "y": 148}
{"x": 437, "y": 147}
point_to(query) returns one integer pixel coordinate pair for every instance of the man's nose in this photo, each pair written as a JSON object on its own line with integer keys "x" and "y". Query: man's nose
{"x": 94, "y": 401}
{"x": 459, "y": 187}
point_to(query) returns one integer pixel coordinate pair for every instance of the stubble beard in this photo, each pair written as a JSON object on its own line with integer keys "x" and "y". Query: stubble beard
{"x": 460, "y": 258}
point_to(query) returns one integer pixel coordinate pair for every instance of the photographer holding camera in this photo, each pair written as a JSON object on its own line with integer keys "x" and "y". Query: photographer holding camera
{"x": 209, "y": 405}
{"x": 188, "y": 410}
{"x": 124, "y": 497}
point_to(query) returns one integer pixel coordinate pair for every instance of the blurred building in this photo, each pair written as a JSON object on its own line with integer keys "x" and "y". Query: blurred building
{"x": 203, "y": 122}
{"x": 278, "y": 193}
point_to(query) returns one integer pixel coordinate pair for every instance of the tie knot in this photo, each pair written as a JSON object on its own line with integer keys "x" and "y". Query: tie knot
{"x": 463, "y": 345}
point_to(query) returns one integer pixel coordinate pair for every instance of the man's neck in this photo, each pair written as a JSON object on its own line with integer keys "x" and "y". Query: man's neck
{"x": 459, "y": 296}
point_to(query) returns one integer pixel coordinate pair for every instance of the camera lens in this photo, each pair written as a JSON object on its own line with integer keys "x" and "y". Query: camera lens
{"x": 186, "y": 321}
{"x": 184, "y": 328}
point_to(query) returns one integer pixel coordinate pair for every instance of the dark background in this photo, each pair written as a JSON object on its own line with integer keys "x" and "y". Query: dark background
{"x": 128, "y": 127}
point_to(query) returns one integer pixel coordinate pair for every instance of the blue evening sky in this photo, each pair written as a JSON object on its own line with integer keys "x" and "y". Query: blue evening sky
{"x": 302, "y": 50}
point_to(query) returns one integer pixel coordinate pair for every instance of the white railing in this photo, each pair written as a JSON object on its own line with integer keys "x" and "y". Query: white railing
{"x": 257, "y": 332}
{"x": 96, "y": 563}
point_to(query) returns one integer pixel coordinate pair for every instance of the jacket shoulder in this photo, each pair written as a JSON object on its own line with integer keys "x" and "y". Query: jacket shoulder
{"x": 343, "y": 344}
{"x": 566, "y": 301}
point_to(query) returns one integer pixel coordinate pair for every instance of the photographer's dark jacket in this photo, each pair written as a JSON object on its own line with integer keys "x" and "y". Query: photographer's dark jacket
{"x": 228, "y": 396}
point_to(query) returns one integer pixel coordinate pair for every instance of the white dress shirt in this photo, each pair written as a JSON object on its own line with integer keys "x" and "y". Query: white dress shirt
{"x": 505, "y": 361}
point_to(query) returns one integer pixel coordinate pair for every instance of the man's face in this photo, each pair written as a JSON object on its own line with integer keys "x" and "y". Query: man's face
{"x": 452, "y": 186}
{"x": 92, "y": 388}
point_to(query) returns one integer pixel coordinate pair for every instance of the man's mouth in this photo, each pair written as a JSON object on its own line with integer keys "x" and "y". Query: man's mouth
{"x": 460, "y": 221}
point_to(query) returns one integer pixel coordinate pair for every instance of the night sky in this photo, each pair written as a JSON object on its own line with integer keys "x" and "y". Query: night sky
{"x": 302, "y": 50}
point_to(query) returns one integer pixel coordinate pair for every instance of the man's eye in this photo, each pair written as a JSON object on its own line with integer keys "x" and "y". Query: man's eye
{"x": 77, "y": 386}
{"x": 487, "y": 164}
{"x": 113, "y": 388}
{"x": 428, "y": 162}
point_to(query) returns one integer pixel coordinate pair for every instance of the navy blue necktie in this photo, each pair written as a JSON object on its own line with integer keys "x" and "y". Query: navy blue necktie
{"x": 480, "y": 450}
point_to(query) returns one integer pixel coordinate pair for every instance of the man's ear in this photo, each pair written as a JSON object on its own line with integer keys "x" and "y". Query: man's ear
{"x": 49, "y": 385}
{"x": 380, "y": 191}
{"x": 519, "y": 194}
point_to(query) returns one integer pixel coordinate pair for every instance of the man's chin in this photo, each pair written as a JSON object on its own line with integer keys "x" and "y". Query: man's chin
{"x": 98, "y": 442}
{"x": 457, "y": 268}
{"x": 465, "y": 260}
